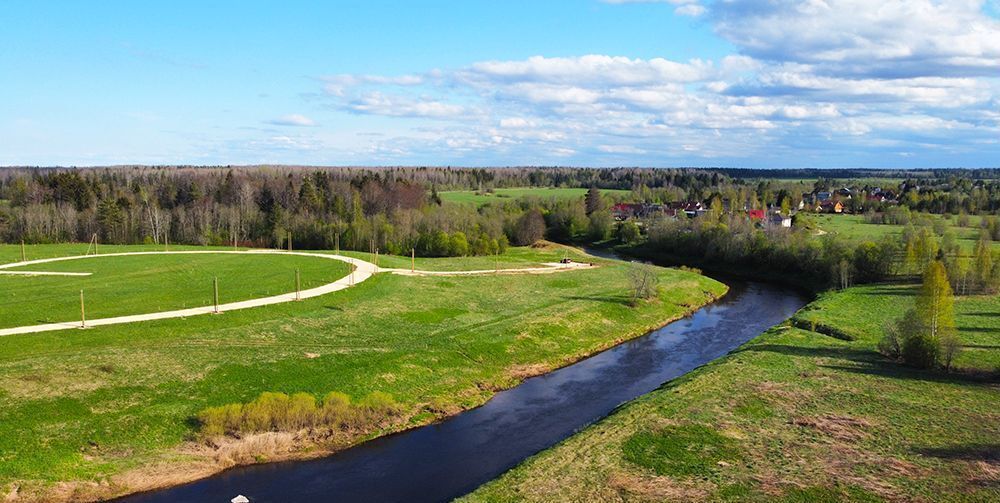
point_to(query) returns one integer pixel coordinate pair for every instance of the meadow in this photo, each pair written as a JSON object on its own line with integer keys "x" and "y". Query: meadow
{"x": 795, "y": 415}
{"x": 81, "y": 412}
{"x": 151, "y": 283}
{"x": 498, "y": 195}
{"x": 855, "y": 229}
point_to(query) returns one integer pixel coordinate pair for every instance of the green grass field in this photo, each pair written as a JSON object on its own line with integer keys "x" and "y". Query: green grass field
{"x": 795, "y": 415}
{"x": 152, "y": 283}
{"x": 854, "y": 228}
{"x": 86, "y": 407}
{"x": 500, "y": 195}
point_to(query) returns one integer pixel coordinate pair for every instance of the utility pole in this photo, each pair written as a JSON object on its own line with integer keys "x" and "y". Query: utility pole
{"x": 298, "y": 285}
{"x": 83, "y": 312}
{"x": 215, "y": 287}
{"x": 24, "y": 257}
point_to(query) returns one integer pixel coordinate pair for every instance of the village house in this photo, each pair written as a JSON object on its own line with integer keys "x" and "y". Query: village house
{"x": 831, "y": 207}
{"x": 779, "y": 220}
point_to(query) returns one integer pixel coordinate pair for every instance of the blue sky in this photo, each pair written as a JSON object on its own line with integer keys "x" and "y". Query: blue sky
{"x": 753, "y": 83}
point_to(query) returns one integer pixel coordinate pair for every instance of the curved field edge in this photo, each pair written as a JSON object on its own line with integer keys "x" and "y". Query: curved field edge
{"x": 105, "y": 412}
{"x": 139, "y": 284}
{"x": 795, "y": 415}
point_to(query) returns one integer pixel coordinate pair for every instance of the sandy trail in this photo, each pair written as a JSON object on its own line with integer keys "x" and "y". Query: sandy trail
{"x": 362, "y": 271}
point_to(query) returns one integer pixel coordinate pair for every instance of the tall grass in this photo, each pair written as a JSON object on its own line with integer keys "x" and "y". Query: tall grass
{"x": 281, "y": 412}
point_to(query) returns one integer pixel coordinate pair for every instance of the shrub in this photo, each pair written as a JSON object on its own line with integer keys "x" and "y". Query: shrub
{"x": 280, "y": 412}
{"x": 266, "y": 412}
{"x": 921, "y": 350}
{"x": 336, "y": 409}
{"x": 891, "y": 343}
{"x": 301, "y": 412}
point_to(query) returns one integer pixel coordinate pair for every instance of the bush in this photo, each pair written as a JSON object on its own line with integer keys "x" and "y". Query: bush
{"x": 280, "y": 412}
{"x": 336, "y": 409}
{"x": 891, "y": 343}
{"x": 921, "y": 351}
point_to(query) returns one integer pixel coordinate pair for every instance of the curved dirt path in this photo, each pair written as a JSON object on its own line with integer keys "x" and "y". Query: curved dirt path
{"x": 362, "y": 270}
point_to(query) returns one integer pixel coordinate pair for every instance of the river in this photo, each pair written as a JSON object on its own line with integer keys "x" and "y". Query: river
{"x": 442, "y": 461}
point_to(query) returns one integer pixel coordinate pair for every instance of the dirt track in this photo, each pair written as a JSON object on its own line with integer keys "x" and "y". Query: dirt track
{"x": 362, "y": 271}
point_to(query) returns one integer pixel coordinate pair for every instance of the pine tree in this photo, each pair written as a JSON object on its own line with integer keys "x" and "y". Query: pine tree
{"x": 594, "y": 202}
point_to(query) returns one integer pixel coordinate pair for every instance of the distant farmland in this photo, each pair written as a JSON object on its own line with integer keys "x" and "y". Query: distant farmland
{"x": 481, "y": 198}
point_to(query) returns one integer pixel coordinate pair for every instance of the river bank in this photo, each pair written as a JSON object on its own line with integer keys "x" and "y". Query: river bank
{"x": 107, "y": 411}
{"x": 795, "y": 415}
{"x": 447, "y": 459}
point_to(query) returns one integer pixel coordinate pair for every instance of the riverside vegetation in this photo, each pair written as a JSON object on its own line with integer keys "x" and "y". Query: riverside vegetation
{"x": 808, "y": 411}
{"x": 110, "y": 410}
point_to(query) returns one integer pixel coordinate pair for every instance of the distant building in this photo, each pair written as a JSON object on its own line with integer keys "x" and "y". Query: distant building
{"x": 779, "y": 220}
{"x": 831, "y": 207}
{"x": 756, "y": 214}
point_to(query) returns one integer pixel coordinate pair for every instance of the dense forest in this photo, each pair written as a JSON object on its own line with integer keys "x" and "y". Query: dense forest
{"x": 397, "y": 209}
{"x": 393, "y": 208}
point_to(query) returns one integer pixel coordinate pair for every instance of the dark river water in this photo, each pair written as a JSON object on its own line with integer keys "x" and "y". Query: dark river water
{"x": 442, "y": 461}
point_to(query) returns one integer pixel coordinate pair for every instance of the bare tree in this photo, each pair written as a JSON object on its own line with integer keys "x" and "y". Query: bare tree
{"x": 643, "y": 280}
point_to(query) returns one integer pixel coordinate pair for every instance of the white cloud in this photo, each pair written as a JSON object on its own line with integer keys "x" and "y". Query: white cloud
{"x": 377, "y": 103}
{"x": 817, "y": 78}
{"x": 885, "y": 39}
{"x": 293, "y": 120}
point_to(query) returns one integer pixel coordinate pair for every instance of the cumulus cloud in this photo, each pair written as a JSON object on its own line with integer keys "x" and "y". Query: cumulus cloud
{"x": 684, "y": 7}
{"x": 893, "y": 39}
{"x": 810, "y": 80}
{"x": 296, "y": 120}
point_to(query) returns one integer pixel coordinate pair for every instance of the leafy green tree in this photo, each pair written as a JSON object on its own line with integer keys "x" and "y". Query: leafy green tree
{"x": 934, "y": 336}
{"x": 459, "y": 244}
{"x": 983, "y": 263}
{"x": 935, "y": 302}
{"x": 628, "y": 232}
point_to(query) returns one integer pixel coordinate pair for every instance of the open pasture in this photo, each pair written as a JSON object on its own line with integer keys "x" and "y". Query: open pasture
{"x": 502, "y": 195}
{"x": 855, "y": 229}
{"x": 90, "y": 406}
{"x": 125, "y": 285}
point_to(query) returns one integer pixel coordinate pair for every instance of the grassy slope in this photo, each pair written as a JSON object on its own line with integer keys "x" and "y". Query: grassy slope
{"x": 143, "y": 284}
{"x": 796, "y": 416}
{"x": 86, "y": 405}
{"x": 471, "y": 197}
{"x": 854, "y": 228}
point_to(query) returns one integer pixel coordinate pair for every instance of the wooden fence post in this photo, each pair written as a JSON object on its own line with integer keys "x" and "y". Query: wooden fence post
{"x": 215, "y": 287}
{"x": 298, "y": 285}
{"x": 83, "y": 312}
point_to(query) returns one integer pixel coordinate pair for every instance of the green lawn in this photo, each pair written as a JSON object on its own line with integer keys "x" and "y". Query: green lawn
{"x": 795, "y": 415}
{"x": 152, "y": 283}
{"x": 854, "y": 228}
{"x": 514, "y": 258}
{"x": 500, "y": 195}
{"x": 88, "y": 406}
